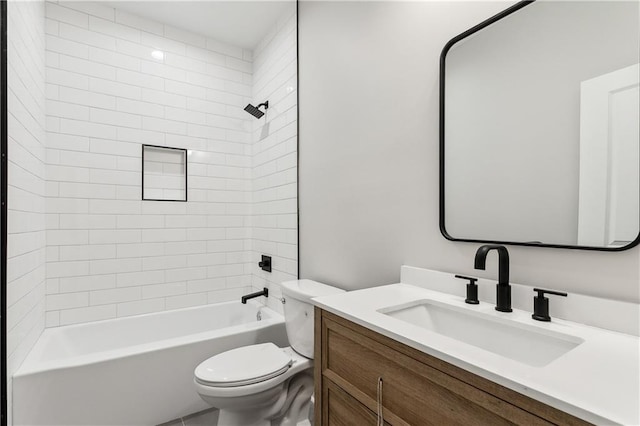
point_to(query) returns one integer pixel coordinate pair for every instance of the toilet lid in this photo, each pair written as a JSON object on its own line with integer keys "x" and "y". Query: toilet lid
{"x": 243, "y": 366}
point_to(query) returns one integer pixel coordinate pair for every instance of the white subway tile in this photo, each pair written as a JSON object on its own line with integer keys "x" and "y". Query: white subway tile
{"x": 164, "y": 262}
{"x": 185, "y": 301}
{"x": 140, "y": 307}
{"x": 86, "y": 190}
{"x": 112, "y": 58}
{"x": 140, "y": 108}
{"x": 92, "y": 252}
{"x": 157, "y": 235}
{"x": 91, "y": 38}
{"x": 114, "y": 207}
{"x": 185, "y": 247}
{"x": 86, "y": 283}
{"x": 139, "y": 79}
{"x": 88, "y": 68}
{"x": 64, "y": 14}
{"x": 106, "y": 146}
{"x": 184, "y": 89}
{"x": 164, "y": 98}
{"x": 66, "y": 301}
{"x": 140, "y": 250}
{"x": 164, "y": 125}
{"x": 140, "y": 278}
{"x": 140, "y": 221}
{"x": 91, "y": 8}
{"x": 66, "y": 78}
{"x": 67, "y": 47}
{"x": 67, "y": 269}
{"x": 67, "y": 237}
{"x": 206, "y": 285}
{"x": 163, "y": 43}
{"x": 83, "y": 128}
{"x": 52, "y": 91}
{"x": 135, "y": 50}
{"x": 52, "y": 319}
{"x": 138, "y": 22}
{"x": 114, "y": 295}
{"x": 88, "y": 98}
{"x": 115, "y": 118}
{"x": 184, "y": 62}
{"x": 114, "y": 236}
{"x": 67, "y": 110}
{"x": 105, "y": 26}
{"x": 67, "y": 142}
{"x": 162, "y": 70}
{"x": 51, "y": 27}
{"x": 91, "y": 313}
{"x": 163, "y": 290}
{"x": 114, "y": 88}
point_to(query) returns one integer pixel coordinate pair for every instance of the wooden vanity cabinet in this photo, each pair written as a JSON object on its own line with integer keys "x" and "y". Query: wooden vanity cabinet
{"x": 416, "y": 389}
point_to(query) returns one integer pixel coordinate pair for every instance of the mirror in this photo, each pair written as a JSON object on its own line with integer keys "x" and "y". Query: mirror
{"x": 539, "y": 127}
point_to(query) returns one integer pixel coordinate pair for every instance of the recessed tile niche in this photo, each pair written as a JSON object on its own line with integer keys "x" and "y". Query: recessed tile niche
{"x": 164, "y": 173}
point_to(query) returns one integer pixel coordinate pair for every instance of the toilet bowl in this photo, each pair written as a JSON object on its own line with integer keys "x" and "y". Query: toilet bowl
{"x": 265, "y": 385}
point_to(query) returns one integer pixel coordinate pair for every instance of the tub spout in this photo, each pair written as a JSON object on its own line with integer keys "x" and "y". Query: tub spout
{"x": 264, "y": 292}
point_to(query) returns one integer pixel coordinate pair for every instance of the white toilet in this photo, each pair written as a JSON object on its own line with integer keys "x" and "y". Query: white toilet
{"x": 263, "y": 384}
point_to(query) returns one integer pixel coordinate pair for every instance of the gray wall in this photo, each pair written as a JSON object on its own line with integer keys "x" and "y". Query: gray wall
{"x": 369, "y": 154}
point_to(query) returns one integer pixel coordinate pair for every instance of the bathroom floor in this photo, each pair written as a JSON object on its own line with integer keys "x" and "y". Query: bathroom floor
{"x": 202, "y": 418}
{"x": 206, "y": 418}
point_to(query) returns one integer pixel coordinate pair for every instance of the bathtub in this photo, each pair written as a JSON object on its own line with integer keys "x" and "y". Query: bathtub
{"x": 135, "y": 370}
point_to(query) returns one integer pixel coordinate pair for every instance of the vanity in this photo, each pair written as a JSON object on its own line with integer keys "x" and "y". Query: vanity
{"x": 416, "y": 388}
{"x": 395, "y": 355}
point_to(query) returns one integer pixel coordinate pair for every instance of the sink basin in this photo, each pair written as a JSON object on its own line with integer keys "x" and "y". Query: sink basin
{"x": 520, "y": 342}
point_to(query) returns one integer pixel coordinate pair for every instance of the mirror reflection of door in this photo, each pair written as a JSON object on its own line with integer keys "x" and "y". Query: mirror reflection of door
{"x": 609, "y": 212}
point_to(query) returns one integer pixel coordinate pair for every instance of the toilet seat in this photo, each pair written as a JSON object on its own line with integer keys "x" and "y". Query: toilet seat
{"x": 243, "y": 366}
{"x": 298, "y": 363}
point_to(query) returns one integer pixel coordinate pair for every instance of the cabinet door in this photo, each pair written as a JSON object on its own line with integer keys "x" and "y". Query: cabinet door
{"x": 341, "y": 409}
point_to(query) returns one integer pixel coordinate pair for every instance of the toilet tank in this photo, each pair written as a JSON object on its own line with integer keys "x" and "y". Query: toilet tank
{"x": 298, "y": 312}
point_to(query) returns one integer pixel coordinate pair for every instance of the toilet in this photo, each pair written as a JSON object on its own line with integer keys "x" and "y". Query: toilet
{"x": 263, "y": 384}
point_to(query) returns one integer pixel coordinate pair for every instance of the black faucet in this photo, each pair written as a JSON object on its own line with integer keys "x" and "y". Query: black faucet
{"x": 264, "y": 292}
{"x": 503, "y": 289}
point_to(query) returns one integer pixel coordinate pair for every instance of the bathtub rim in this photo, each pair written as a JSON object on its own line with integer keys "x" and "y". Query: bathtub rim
{"x": 33, "y": 365}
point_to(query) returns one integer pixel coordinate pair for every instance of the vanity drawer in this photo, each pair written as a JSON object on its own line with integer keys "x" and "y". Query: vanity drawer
{"x": 341, "y": 409}
{"x": 415, "y": 390}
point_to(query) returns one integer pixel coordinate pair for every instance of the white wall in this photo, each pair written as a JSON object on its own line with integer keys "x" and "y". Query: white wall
{"x": 274, "y": 220}
{"x": 109, "y": 254}
{"x": 369, "y": 154}
{"x": 26, "y": 179}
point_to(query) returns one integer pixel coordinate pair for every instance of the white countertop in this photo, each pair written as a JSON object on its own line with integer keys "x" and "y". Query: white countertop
{"x": 598, "y": 381}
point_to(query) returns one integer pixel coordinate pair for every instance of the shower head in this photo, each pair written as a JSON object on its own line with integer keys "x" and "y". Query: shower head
{"x": 255, "y": 111}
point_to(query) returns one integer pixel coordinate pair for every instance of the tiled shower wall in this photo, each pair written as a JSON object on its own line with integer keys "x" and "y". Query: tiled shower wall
{"x": 109, "y": 254}
{"x": 274, "y": 218}
{"x": 26, "y": 173}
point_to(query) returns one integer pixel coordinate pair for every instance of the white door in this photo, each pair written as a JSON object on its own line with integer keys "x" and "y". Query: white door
{"x": 608, "y": 210}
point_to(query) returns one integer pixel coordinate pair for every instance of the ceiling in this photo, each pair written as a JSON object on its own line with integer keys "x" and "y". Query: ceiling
{"x": 240, "y": 23}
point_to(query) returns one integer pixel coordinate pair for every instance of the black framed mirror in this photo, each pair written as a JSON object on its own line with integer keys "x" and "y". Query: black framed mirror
{"x": 539, "y": 127}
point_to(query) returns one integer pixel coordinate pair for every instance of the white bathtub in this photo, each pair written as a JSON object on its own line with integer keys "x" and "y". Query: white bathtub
{"x": 135, "y": 370}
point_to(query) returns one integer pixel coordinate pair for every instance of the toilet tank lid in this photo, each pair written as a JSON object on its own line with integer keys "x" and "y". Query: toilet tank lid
{"x": 305, "y": 290}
